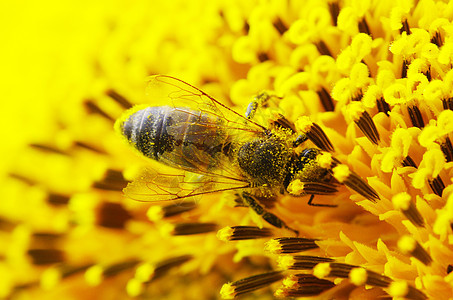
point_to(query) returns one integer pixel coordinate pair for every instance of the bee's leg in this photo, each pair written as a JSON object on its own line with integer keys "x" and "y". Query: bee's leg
{"x": 310, "y": 202}
{"x": 259, "y": 100}
{"x": 267, "y": 216}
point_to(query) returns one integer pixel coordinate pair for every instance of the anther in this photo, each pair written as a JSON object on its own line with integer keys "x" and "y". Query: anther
{"x": 190, "y": 228}
{"x": 334, "y": 9}
{"x": 409, "y": 246}
{"x": 404, "y": 69}
{"x": 447, "y": 149}
{"x": 326, "y": 99}
{"x": 408, "y": 162}
{"x": 112, "y": 215}
{"x": 287, "y": 245}
{"x": 301, "y": 262}
{"x": 88, "y": 147}
{"x": 405, "y": 27}
{"x": 363, "y": 27}
{"x": 447, "y": 103}
{"x": 401, "y": 289}
{"x": 402, "y": 201}
{"x": 437, "y": 39}
{"x": 416, "y": 116}
{"x": 355, "y": 182}
{"x": 93, "y": 108}
{"x": 250, "y": 284}
{"x": 382, "y": 105}
{"x": 113, "y": 180}
{"x": 437, "y": 185}
{"x": 120, "y": 99}
{"x": 280, "y": 26}
{"x": 315, "y": 133}
{"x": 323, "y": 49}
{"x": 368, "y": 128}
{"x": 57, "y": 199}
{"x": 46, "y": 256}
{"x": 47, "y": 149}
{"x": 157, "y": 213}
{"x": 236, "y": 233}
{"x": 303, "y": 285}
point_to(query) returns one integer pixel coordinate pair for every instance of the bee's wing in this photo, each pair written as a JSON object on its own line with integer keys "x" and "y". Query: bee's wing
{"x": 153, "y": 186}
{"x": 165, "y": 89}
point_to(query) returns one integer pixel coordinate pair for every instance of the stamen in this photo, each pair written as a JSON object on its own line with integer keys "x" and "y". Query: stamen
{"x": 382, "y": 105}
{"x": 447, "y": 149}
{"x": 303, "y": 285}
{"x": 157, "y": 213}
{"x": 250, "y": 284}
{"x": 416, "y": 116}
{"x": 437, "y": 185}
{"x": 113, "y": 181}
{"x": 57, "y": 199}
{"x": 93, "y": 108}
{"x": 299, "y": 188}
{"x": 163, "y": 267}
{"x": 97, "y": 273}
{"x": 286, "y": 245}
{"x": 363, "y": 27}
{"x": 319, "y": 138}
{"x": 409, "y": 246}
{"x": 120, "y": 99}
{"x": 326, "y": 99}
{"x": 46, "y": 256}
{"x": 334, "y": 9}
{"x": 355, "y": 182}
{"x": 402, "y": 201}
{"x": 22, "y": 178}
{"x": 280, "y": 26}
{"x": 189, "y": 228}
{"x": 112, "y": 215}
{"x": 301, "y": 262}
{"x": 401, "y": 289}
{"x": 449, "y": 269}
{"x": 323, "y": 49}
{"x": 368, "y": 128}
{"x": 236, "y": 233}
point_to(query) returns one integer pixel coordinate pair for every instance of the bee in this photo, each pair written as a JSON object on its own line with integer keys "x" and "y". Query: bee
{"x": 199, "y": 135}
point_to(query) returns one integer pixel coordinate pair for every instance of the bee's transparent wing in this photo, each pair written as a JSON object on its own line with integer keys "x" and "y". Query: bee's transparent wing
{"x": 167, "y": 90}
{"x": 152, "y": 186}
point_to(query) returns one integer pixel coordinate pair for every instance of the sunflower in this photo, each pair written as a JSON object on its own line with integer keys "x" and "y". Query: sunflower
{"x": 375, "y": 77}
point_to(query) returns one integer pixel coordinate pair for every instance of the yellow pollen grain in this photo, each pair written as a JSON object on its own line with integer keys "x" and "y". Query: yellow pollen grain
{"x": 225, "y": 234}
{"x": 401, "y": 201}
{"x": 296, "y": 187}
{"x": 341, "y": 173}
{"x": 155, "y": 213}
{"x": 285, "y": 261}
{"x": 144, "y": 272}
{"x": 134, "y": 287}
{"x": 227, "y": 291}
{"x": 407, "y": 244}
{"x": 303, "y": 124}
{"x": 167, "y": 229}
{"x": 50, "y": 278}
{"x": 322, "y": 270}
{"x": 324, "y": 160}
{"x": 398, "y": 289}
{"x": 355, "y": 110}
{"x": 94, "y": 275}
{"x": 272, "y": 246}
{"x": 358, "y": 276}
{"x": 290, "y": 281}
